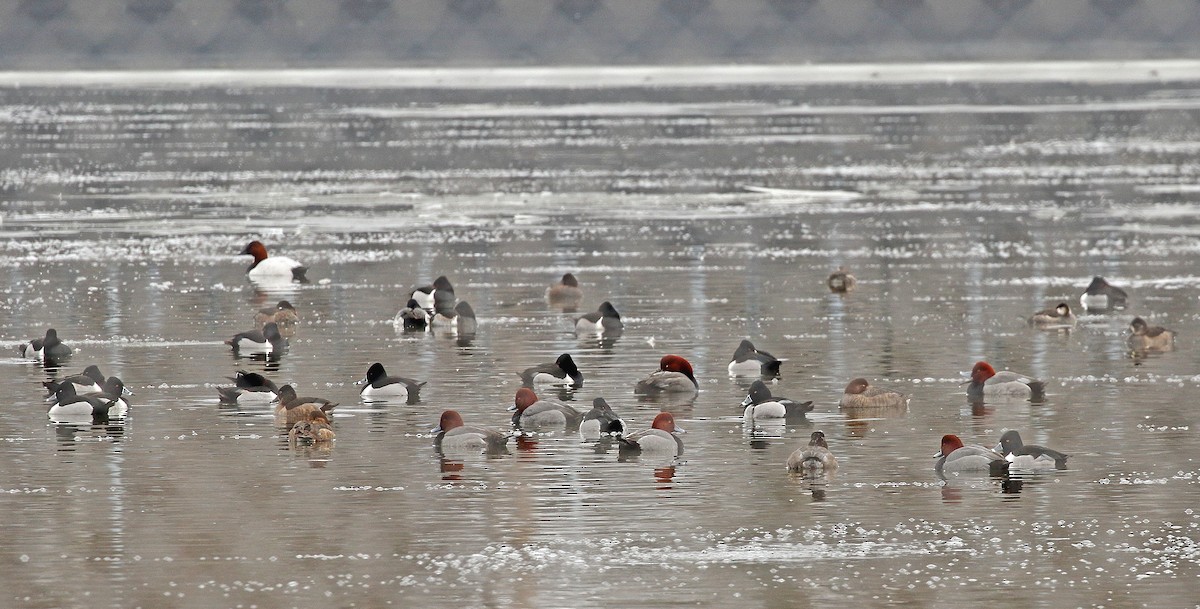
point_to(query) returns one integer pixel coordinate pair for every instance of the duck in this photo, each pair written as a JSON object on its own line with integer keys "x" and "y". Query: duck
{"x": 291, "y": 408}
{"x": 460, "y": 321}
{"x": 378, "y": 385}
{"x": 1058, "y": 317}
{"x": 54, "y": 351}
{"x": 91, "y": 380}
{"x": 1100, "y": 295}
{"x": 954, "y": 457}
{"x": 1029, "y": 456}
{"x": 412, "y": 318}
{"x": 31, "y": 350}
{"x": 314, "y": 427}
{"x": 841, "y": 281}
{"x": 561, "y": 371}
{"x": 661, "y": 438}
{"x": 986, "y": 382}
{"x": 283, "y": 314}
{"x": 674, "y": 375}
{"x": 814, "y": 457}
{"x": 452, "y": 435}
{"x": 565, "y": 293}
{"x": 427, "y": 296}
{"x": 860, "y": 395}
{"x": 750, "y": 361}
{"x": 760, "y": 404}
{"x": 248, "y": 388}
{"x": 601, "y": 421}
{"x": 532, "y": 413}
{"x": 69, "y": 405}
{"x": 112, "y": 390}
{"x": 266, "y": 269}
{"x": 604, "y": 320}
{"x": 267, "y": 341}
{"x": 1144, "y": 337}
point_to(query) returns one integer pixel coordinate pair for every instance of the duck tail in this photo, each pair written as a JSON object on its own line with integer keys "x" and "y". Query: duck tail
{"x": 298, "y": 274}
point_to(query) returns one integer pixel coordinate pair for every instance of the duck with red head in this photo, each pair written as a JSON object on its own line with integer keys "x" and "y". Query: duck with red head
{"x": 455, "y": 436}
{"x": 986, "y": 382}
{"x": 660, "y": 439}
{"x": 957, "y": 458}
{"x": 674, "y": 375}
{"x": 532, "y": 413}
{"x": 267, "y": 269}
{"x": 860, "y": 396}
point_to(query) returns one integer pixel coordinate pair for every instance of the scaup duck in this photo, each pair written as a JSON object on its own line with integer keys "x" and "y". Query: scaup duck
{"x": 561, "y": 371}
{"x": 759, "y": 403}
{"x": 750, "y": 361}
{"x": 1029, "y": 456}
{"x": 378, "y": 385}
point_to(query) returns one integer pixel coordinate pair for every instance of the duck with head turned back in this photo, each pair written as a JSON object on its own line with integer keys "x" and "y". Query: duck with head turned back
{"x": 861, "y": 397}
{"x": 674, "y": 375}
{"x": 661, "y": 438}
{"x": 248, "y": 388}
{"x": 291, "y": 408}
{"x": 452, "y": 435}
{"x": 265, "y": 342}
{"x": 814, "y": 457}
{"x": 267, "y": 269}
{"x": 314, "y": 427}
{"x": 531, "y": 413}
{"x": 986, "y": 382}
{"x": 561, "y": 372}
{"x": 750, "y": 361}
{"x": 604, "y": 320}
{"x": 1100, "y": 295}
{"x": 1029, "y": 456}
{"x": 601, "y": 421}
{"x": 91, "y": 380}
{"x": 283, "y": 314}
{"x": 955, "y": 457}
{"x": 412, "y": 318}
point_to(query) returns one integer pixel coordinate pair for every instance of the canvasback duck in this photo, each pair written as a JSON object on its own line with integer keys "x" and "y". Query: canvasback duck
{"x": 69, "y": 406}
{"x": 290, "y": 408}
{"x": 532, "y": 413}
{"x": 861, "y": 395}
{"x": 1029, "y": 456}
{"x": 1144, "y": 337}
{"x": 749, "y": 361}
{"x": 954, "y": 457}
{"x": 1049, "y": 319}
{"x": 760, "y": 404}
{"x": 455, "y": 436}
{"x": 986, "y": 382}
{"x": 54, "y": 351}
{"x": 841, "y": 281}
{"x": 814, "y": 457}
{"x": 458, "y": 321}
{"x": 565, "y": 293}
{"x": 1100, "y": 295}
{"x": 604, "y": 320}
{"x": 427, "y": 296}
{"x": 91, "y": 380}
{"x": 561, "y": 371}
{"x": 267, "y": 341}
{"x": 601, "y": 421}
{"x": 377, "y": 385}
{"x": 273, "y": 268}
{"x": 412, "y": 318}
{"x": 674, "y": 375}
{"x": 283, "y": 314}
{"x": 661, "y": 438}
{"x": 248, "y": 388}
{"x": 313, "y": 428}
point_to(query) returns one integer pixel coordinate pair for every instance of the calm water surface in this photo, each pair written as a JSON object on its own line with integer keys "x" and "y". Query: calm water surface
{"x": 960, "y": 208}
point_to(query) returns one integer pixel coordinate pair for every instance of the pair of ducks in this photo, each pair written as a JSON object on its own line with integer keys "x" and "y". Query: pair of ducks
{"x": 87, "y": 395}
{"x": 273, "y": 326}
{"x": 435, "y": 306}
{"x": 307, "y": 419}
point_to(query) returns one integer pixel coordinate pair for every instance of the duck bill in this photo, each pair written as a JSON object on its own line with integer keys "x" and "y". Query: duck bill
{"x": 361, "y": 381}
{"x": 679, "y": 429}
{"x": 748, "y": 401}
{"x": 937, "y": 455}
{"x": 436, "y": 430}
{"x": 511, "y": 407}
{"x": 998, "y": 448}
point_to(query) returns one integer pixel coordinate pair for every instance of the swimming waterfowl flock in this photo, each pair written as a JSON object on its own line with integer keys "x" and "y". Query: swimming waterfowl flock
{"x": 89, "y": 395}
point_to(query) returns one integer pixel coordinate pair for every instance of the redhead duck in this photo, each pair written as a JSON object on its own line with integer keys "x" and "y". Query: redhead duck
{"x": 460, "y": 320}
{"x": 455, "y": 436}
{"x": 604, "y": 320}
{"x": 957, "y": 458}
{"x": 986, "y": 382}
{"x": 531, "y": 413}
{"x": 267, "y": 341}
{"x": 1144, "y": 337}
{"x": 674, "y": 375}
{"x": 1100, "y": 295}
{"x": 814, "y": 457}
{"x": 760, "y": 404}
{"x": 53, "y": 351}
{"x": 69, "y": 406}
{"x": 313, "y": 428}
{"x": 659, "y": 439}
{"x": 248, "y": 388}
{"x": 841, "y": 281}
{"x": 283, "y": 314}
{"x": 266, "y": 269}
{"x": 291, "y": 408}
{"x": 1029, "y": 456}
{"x": 749, "y": 361}
{"x": 561, "y": 371}
{"x": 436, "y": 298}
{"x": 412, "y": 318}
{"x": 91, "y": 380}
{"x": 377, "y": 385}
{"x": 1058, "y": 317}
{"x": 601, "y": 421}
{"x": 565, "y": 293}
{"x": 860, "y": 395}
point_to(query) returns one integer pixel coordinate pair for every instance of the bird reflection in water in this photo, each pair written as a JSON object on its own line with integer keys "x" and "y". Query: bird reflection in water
{"x": 451, "y": 469}
{"x": 664, "y": 476}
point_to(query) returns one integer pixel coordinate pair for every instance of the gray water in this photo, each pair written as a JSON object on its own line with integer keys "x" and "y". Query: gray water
{"x": 706, "y": 215}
